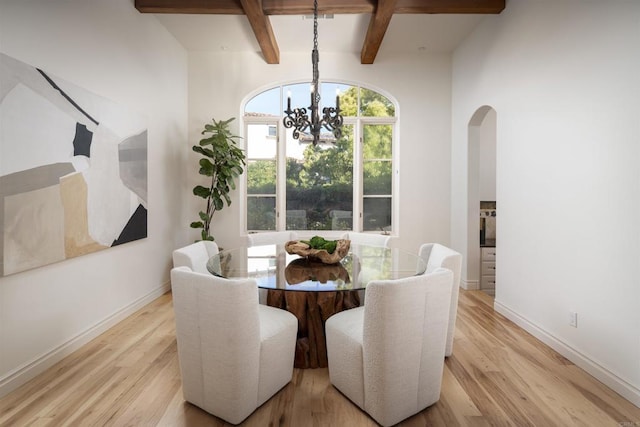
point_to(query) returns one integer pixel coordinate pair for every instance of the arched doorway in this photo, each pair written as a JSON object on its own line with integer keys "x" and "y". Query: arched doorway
{"x": 481, "y": 190}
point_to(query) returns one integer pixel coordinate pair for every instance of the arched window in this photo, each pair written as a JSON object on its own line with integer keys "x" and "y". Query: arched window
{"x": 298, "y": 186}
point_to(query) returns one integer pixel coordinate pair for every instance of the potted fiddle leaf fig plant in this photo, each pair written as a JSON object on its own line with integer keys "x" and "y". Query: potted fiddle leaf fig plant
{"x": 222, "y": 162}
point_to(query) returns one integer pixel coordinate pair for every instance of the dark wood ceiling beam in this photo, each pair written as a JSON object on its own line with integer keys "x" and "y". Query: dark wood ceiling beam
{"x": 262, "y": 29}
{"x": 305, "y": 7}
{"x": 450, "y": 6}
{"x": 213, "y": 7}
{"x": 377, "y": 28}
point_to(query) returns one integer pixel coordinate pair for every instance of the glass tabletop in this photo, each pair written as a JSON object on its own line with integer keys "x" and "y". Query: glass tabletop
{"x": 274, "y": 268}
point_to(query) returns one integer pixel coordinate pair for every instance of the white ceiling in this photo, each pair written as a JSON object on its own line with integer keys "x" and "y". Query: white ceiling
{"x": 343, "y": 33}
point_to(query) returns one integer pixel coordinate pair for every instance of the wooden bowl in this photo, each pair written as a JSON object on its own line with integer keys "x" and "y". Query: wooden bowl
{"x": 305, "y": 269}
{"x": 304, "y": 250}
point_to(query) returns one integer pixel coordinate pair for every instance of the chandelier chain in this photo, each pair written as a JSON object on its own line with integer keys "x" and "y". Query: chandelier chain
{"x": 315, "y": 24}
{"x": 298, "y": 119}
{"x": 315, "y": 55}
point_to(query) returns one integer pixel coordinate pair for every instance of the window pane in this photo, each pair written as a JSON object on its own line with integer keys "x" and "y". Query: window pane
{"x": 377, "y": 141}
{"x": 300, "y": 95}
{"x": 377, "y": 214}
{"x": 261, "y": 177}
{"x": 341, "y": 220}
{"x": 260, "y": 144}
{"x": 377, "y": 177}
{"x": 373, "y": 104}
{"x": 261, "y": 213}
{"x": 377, "y": 167}
{"x": 264, "y": 103}
{"x": 320, "y": 180}
{"x": 296, "y": 219}
{"x": 346, "y": 93}
{"x": 348, "y": 99}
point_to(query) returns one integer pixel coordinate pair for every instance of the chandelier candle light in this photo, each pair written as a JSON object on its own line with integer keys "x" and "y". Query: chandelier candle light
{"x": 298, "y": 119}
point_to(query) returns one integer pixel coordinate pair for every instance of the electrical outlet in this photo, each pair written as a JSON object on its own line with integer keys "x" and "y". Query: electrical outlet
{"x": 573, "y": 319}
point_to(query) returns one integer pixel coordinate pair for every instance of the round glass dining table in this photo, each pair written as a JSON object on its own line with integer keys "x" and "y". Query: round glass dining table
{"x": 274, "y": 268}
{"x": 313, "y": 291}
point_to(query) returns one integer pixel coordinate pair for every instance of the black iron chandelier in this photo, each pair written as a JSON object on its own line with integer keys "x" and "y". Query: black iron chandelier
{"x": 308, "y": 128}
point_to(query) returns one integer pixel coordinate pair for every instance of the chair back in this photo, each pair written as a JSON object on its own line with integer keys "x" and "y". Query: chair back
{"x": 439, "y": 256}
{"x": 271, "y": 238}
{"x": 195, "y": 255}
{"x": 404, "y": 337}
{"x": 218, "y": 334}
{"x": 368, "y": 239}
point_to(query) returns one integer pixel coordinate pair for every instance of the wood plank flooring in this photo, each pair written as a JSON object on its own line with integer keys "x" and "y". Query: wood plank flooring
{"x": 498, "y": 375}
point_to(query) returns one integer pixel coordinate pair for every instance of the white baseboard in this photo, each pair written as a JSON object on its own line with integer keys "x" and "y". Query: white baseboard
{"x": 470, "y": 285}
{"x": 29, "y": 370}
{"x": 619, "y": 385}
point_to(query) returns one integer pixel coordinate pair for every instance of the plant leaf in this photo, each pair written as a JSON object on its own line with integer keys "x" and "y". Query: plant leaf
{"x": 197, "y": 224}
{"x": 207, "y": 141}
{"x": 218, "y": 203}
{"x": 206, "y": 167}
{"x": 204, "y": 151}
{"x": 201, "y": 191}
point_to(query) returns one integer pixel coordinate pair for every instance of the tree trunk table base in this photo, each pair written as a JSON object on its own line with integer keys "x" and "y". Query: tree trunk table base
{"x": 312, "y": 309}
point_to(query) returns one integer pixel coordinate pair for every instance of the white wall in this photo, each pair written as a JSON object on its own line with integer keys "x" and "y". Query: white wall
{"x": 564, "y": 78}
{"x": 108, "y": 48}
{"x": 218, "y": 84}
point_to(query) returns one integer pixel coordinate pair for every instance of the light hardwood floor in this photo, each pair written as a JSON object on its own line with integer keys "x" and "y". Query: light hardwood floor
{"x": 498, "y": 375}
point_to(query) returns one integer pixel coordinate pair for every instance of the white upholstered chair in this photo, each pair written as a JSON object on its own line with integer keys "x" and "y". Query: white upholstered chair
{"x": 195, "y": 255}
{"x": 388, "y": 356}
{"x": 234, "y": 354}
{"x": 271, "y": 237}
{"x": 370, "y": 239}
{"x": 436, "y": 256}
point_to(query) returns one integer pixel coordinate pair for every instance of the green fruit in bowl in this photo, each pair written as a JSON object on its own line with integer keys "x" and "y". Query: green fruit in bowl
{"x": 317, "y": 242}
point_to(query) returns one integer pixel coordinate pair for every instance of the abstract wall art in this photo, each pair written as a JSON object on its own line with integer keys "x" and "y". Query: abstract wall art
{"x": 73, "y": 170}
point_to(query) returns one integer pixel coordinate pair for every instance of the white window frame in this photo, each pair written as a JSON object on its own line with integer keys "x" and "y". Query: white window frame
{"x": 358, "y": 124}
{"x": 363, "y": 121}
